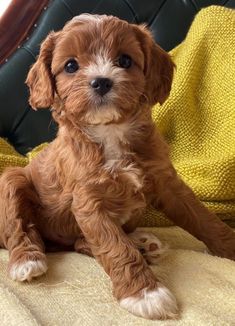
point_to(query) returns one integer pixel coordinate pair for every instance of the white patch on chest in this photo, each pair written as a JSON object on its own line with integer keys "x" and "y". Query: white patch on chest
{"x": 112, "y": 137}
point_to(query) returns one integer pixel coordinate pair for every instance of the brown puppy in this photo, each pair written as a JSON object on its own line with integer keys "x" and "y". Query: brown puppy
{"x": 101, "y": 76}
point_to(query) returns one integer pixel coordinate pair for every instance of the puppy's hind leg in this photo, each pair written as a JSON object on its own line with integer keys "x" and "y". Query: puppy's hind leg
{"x": 18, "y": 202}
{"x": 180, "y": 204}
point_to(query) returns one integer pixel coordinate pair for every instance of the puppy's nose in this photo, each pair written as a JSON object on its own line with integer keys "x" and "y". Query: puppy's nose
{"x": 101, "y": 85}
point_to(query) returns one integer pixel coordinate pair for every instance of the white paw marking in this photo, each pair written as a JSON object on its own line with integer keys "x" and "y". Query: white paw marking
{"x": 152, "y": 304}
{"x": 27, "y": 270}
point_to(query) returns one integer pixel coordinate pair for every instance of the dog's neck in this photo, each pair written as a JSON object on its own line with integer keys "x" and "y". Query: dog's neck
{"x": 114, "y": 141}
{"x": 112, "y": 137}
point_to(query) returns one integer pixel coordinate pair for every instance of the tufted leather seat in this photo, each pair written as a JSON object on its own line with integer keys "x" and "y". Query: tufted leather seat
{"x": 169, "y": 21}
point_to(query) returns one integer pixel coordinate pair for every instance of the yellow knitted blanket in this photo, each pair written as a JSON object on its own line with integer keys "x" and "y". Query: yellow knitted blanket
{"x": 198, "y": 119}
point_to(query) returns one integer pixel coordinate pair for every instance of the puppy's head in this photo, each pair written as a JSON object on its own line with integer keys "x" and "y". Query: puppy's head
{"x": 99, "y": 69}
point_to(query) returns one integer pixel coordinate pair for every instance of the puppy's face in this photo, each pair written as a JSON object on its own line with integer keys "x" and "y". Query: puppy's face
{"x": 99, "y": 69}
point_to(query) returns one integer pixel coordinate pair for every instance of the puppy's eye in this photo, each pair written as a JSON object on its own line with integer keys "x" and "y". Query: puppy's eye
{"x": 71, "y": 66}
{"x": 124, "y": 61}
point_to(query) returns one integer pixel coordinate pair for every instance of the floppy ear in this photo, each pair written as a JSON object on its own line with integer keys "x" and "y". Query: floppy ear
{"x": 40, "y": 79}
{"x": 158, "y": 67}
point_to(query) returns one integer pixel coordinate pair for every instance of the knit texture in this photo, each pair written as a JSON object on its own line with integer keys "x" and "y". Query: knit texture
{"x": 10, "y": 157}
{"x": 198, "y": 119}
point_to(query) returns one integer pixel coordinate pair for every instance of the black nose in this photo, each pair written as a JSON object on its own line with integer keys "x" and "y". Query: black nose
{"x": 101, "y": 85}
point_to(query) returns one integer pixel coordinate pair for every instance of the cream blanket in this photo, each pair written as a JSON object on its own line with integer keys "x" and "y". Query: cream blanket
{"x": 76, "y": 291}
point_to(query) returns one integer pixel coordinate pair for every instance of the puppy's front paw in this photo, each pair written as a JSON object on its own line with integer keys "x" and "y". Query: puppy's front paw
{"x": 149, "y": 245}
{"x": 24, "y": 269}
{"x": 152, "y": 304}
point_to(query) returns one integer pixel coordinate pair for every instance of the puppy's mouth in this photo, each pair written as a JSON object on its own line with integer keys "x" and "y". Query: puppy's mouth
{"x": 101, "y": 101}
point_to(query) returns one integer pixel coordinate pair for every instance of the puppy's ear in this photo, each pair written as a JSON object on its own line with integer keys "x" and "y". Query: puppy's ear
{"x": 40, "y": 79}
{"x": 158, "y": 67}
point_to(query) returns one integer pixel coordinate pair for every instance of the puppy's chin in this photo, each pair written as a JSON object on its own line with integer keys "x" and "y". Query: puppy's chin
{"x": 102, "y": 113}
